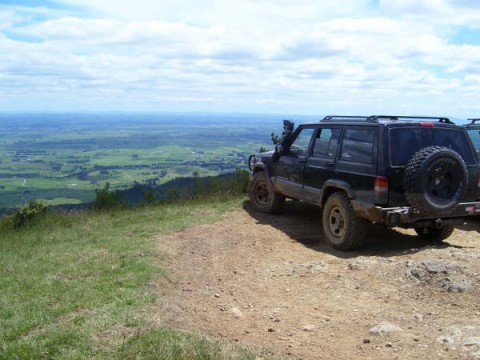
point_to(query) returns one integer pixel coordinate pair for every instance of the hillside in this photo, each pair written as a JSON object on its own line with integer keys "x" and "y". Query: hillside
{"x": 212, "y": 279}
{"x": 82, "y": 285}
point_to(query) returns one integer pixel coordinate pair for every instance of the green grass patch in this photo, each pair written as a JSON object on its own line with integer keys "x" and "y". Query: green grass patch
{"x": 60, "y": 201}
{"x": 174, "y": 344}
{"x": 74, "y": 285}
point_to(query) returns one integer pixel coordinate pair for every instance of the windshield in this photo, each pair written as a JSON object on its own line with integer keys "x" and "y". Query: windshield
{"x": 407, "y": 141}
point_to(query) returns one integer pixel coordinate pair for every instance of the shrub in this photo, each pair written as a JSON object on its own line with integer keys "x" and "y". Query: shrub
{"x": 149, "y": 196}
{"x": 27, "y": 213}
{"x": 172, "y": 194}
{"x": 242, "y": 178}
{"x": 106, "y": 199}
{"x": 230, "y": 185}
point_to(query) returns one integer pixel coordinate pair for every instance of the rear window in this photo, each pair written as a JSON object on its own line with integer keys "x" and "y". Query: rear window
{"x": 404, "y": 142}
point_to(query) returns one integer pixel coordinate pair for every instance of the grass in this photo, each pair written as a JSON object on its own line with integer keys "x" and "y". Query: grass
{"x": 74, "y": 286}
{"x": 60, "y": 201}
{"x": 174, "y": 344}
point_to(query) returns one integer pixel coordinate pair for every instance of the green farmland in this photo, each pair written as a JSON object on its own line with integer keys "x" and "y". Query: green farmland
{"x": 63, "y": 158}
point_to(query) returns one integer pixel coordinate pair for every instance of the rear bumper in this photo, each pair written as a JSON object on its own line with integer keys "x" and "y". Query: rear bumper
{"x": 398, "y": 216}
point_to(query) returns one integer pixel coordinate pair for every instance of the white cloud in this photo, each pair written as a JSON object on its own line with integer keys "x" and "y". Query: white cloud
{"x": 296, "y": 56}
{"x": 226, "y": 12}
{"x": 439, "y": 12}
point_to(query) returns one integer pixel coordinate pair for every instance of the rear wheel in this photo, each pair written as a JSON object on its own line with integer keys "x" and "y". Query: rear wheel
{"x": 434, "y": 234}
{"x": 341, "y": 227}
{"x": 263, "y": 196}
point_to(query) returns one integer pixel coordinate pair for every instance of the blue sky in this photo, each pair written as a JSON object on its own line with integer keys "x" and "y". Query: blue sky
{"x": 276, "y": 56}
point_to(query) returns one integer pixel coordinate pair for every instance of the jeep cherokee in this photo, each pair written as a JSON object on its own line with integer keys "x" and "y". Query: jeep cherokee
{"x": 411, "y": 172}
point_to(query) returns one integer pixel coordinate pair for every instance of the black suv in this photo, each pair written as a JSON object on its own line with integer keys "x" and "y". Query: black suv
{"x": 412, "y": 172}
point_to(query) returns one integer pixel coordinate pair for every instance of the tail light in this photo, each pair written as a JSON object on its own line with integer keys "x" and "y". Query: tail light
{"x": 427, "y": 124}
{"x": 381, "y": 190}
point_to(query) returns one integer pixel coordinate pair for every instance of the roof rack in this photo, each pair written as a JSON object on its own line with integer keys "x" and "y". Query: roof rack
{"x": 380, "y": 118}
{"x": 396, "y": 118}
{"x": 473, "y": 121}
{"x": 346, "y": 118}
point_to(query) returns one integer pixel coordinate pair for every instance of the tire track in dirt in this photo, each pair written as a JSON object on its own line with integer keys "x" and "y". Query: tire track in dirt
{"x": 271, "y": 281}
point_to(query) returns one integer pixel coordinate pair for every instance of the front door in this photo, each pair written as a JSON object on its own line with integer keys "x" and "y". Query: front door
{"x": 290, "y": 166}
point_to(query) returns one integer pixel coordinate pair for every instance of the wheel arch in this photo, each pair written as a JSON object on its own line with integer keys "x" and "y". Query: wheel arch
{"x": 332, "y": 186}
{"x": 261, "y": 167}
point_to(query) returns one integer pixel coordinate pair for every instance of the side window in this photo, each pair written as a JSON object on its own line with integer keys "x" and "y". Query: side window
{"x": 475, "y": 136}
{"x": 326, "y": 142}
{"x": 357, "y": 145}
{"x": 301, "y": 142}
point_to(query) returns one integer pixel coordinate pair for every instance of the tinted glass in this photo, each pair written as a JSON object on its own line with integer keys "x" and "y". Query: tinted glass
{"x": 301, "y": 142}
{"x": 475, "y": 136}
{"x": 357, "y": 145}
{"x": 404, "y": 142}
{"x": 326, "y": 142}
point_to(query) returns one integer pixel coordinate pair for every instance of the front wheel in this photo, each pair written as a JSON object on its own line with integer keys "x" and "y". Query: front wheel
{"x": 341, "y": 227}
{"x": 433, "y": 234}
{"x": 263, "y": 196}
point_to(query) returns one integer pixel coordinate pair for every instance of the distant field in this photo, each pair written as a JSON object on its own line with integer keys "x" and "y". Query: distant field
{"x": 63, "y": 158}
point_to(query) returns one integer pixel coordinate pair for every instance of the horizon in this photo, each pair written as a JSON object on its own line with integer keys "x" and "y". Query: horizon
{"x": 242, "y": 57}
{"x": 210, "y": 116}
{"x": 212, "y": 113}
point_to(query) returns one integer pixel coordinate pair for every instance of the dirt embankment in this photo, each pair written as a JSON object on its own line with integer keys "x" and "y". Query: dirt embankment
{"x": 271, "y": 281}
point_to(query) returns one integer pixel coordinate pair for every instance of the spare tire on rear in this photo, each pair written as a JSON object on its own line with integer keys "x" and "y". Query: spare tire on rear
{"x": 435, "y": 180}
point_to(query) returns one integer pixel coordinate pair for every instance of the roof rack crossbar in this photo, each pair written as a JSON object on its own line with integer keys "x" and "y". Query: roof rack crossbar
{"x": 346, "y": 117}
{"x": 474, "y": 120}
{"x": 378, "y": 118}
{"x": 395, "y": 117}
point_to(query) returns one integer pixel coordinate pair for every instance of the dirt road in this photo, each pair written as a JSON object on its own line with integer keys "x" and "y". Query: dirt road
{"x": 271, "y": 281}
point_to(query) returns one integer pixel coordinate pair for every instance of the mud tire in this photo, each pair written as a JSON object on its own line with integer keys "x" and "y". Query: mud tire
{"x": 342, "y": 229}
{"x": 435, "y": 234}
{"x": 435, "y": 181}
{"x": 263, "y": 196}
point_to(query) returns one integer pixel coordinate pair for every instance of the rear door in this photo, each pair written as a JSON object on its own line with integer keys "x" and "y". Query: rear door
{"x": 321, "y": 162}
{"x": 356, "y": 167}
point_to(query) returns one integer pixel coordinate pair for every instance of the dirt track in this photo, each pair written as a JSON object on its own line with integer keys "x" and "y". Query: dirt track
{"x": 271, "y": 281}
